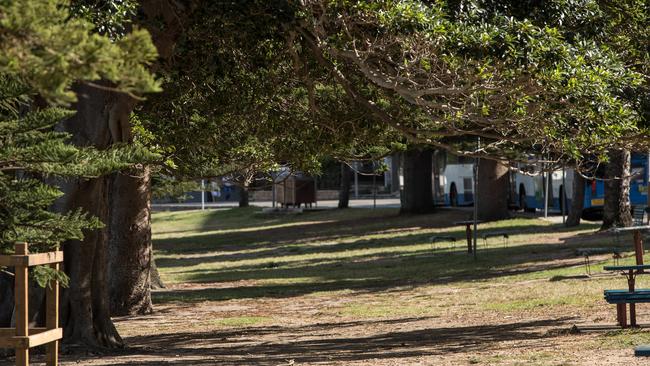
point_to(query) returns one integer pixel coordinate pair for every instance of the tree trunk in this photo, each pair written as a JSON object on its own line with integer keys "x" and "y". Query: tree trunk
{"x": 417, "y": 197}
{"x": 156, "y": 281}
{"x": 130, "y": 248}
{"x": 577, "y": 201}
{"x": 346, "y": 182}
{"x": 85, "y": 309}
{"x": 492, "y": 190}
{"x": 243, "y": 195}
{"x": 617, "y": 210}
{"x": 101, "y": 119}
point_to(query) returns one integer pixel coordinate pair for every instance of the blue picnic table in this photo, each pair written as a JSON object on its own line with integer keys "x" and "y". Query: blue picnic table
{"x": 630, "y": 296}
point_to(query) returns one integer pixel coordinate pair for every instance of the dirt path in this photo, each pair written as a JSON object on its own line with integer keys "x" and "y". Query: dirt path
{"x": 308, "y": 330}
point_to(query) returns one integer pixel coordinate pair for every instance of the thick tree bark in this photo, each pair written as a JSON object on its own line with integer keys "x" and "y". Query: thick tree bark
{"x": 156, "y": 281}
{"x": 617, "y": 210}
{"x": 492, "y": 190}
{"x": 577, "y": 201}
{"x": 417, "y": 196}
{"x": 243, "y": 195}
{"x": 85, "y": 308}
{"x": 130, "y": 249}
{"x": 102, "y": 119}
{"x": 346, "y": 182}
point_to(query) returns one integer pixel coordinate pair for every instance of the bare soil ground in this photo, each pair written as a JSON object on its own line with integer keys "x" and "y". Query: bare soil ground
{"x": 367, "y": 288}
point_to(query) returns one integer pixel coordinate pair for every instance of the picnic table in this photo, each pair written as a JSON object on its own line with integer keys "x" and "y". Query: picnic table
{"x": 468, "y": 229}
{"x": 631, "y": 296}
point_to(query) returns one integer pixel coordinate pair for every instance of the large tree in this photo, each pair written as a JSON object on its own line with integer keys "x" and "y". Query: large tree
{"x": 344, "y": 189}
{"x": 521, "y": 81}
{"x": 617, "y": 210}
{"x": 577, "y": 201}
{"x": 226, "y": 111}
{"x": 429, "y": 71}
{"x": 433, "y": 72}
{"x": 44, "y": 51}
{"x": 493, "y": 181}
{"x": 417, "y": 195}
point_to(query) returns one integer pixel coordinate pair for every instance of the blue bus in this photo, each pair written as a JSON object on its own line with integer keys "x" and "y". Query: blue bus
{"x": 453, "y": 186}
{"x": 528, "y": 191}
{"x": 595, "y": 190}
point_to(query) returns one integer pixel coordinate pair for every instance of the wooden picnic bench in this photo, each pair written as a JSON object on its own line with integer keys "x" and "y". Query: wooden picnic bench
{"x": 642, "y": 351}
{"x": 441, "y": 238}
{"x": 587, "y": 252}
{"x": 496, "y": 234}
{"x": 630, "y": 296}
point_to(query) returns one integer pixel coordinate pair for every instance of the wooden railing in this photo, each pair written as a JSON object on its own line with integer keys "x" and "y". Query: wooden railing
{"x": 21, "y": 338}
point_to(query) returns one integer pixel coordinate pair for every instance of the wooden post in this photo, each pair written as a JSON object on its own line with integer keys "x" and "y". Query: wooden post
{"x": 19, "y": 337}
{"x": 52, "y": 318}
{"x": 22, "y": 314}
{"x": 620, "y": 315}
{"x": 630, "y": 285}
{"x": 638, "y": 247}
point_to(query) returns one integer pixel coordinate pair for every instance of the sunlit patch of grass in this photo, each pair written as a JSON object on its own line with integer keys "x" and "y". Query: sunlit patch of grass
{"x": 626, "y": 338}
{"x": 241, "y": 321}
{"x": 330, "y": 251}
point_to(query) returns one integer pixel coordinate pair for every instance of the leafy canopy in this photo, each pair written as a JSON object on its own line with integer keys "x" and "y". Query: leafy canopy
{"x": 516, "y": 76}
{"x": 43, "y": 51}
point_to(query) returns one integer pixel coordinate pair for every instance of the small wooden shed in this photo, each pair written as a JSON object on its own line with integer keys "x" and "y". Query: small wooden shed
{"x": 294, "y": 191}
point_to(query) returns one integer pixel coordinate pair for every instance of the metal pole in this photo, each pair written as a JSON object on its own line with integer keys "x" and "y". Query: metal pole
{"x": 202, "y": 194}
{"x": 374, "y": 186}
{"x": 546, "y": 184}
{"x": 563, "y": 196}
{"x": 273, "y": 176}
{"x": 476, "y": 163}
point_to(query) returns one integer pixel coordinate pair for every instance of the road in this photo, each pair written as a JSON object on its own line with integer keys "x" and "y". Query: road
{"x": 356, "y": 203}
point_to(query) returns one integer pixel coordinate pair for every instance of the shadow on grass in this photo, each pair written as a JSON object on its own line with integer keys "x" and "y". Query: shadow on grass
{"x": 326, "y": 225}
{"x": 317, "y": 265}
{"x": 368, "y": 273}
{"x": 233, "y": 347}
{"x": 299, "y": 241}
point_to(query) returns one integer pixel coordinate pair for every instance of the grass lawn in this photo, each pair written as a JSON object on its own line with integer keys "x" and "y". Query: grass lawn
{"x": 366, "y": 287}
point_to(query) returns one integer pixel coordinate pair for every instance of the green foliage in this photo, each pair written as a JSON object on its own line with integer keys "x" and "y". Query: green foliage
{"x": 43, "y": 51}
{"x": 169, "y": 188}
{"x": 61, "y": 50}
{"x": 229, "y": 110}
{"x": 110, "y": 17}
{"x": 525, "y": 76}
{"x": 43, "y": 275}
